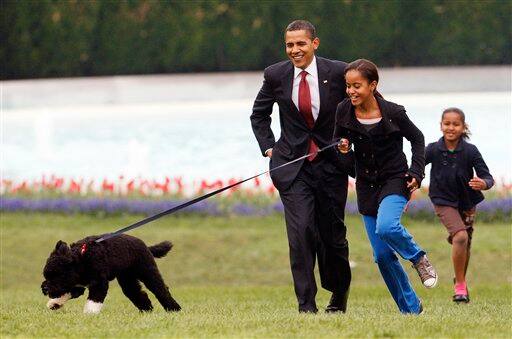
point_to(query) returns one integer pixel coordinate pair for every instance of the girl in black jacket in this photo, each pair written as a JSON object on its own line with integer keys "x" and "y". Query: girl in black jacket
{"x": 384, "y": 181}
{"x": 455, "y": 191}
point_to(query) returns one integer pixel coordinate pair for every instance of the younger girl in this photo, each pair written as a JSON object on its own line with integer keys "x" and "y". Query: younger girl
{"x": 454, "y": 190}
{"x": 384, "y": 181}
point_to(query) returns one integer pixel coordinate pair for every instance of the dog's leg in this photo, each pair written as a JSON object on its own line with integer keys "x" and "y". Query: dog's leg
{"x": 57, "y": 303}
{"x": 132, "y": 289}
{"x": 97, "y": 292}
{"x": 77, "y": 291}
{"x": 154, "y": 282}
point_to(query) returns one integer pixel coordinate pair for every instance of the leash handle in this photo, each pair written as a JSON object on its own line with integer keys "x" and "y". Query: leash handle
{"x": 200, "y": 198}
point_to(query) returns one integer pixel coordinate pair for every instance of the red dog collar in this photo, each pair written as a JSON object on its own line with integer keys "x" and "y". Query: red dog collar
{"x": 83, "y": 249}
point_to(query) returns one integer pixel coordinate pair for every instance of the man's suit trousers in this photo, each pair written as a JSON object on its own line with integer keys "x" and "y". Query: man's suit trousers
{"x": 314, "y": 212}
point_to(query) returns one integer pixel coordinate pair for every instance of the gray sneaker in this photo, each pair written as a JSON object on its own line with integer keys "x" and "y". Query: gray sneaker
{"x": 426, "y": 272}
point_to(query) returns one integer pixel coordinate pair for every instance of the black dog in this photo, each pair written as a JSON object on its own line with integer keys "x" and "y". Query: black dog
{"x": 69, "y": 270}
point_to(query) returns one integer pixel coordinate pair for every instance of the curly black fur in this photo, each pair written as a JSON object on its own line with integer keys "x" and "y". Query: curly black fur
{"x": 125, "y": 257}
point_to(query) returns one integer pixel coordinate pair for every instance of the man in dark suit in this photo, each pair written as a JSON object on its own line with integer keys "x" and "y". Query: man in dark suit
{"x": 307, "y": 90}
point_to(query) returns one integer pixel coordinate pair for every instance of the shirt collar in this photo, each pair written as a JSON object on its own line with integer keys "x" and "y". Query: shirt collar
{"x": 311, "y": 69}
{"x": 442, "y": 146}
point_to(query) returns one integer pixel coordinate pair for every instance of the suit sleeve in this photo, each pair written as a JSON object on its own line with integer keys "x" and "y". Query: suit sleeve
{"x": 481, "y": 169}
{"x": 417, "y": 140}
{"x": 339, "y": 132}
{"x": 260, "y": 117}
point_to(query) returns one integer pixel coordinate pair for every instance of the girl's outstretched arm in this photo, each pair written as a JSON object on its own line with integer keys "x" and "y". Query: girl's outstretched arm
{"x": 340, "y": 133}
{"x": 482, "y": 172}
{"x": 417, "y": 140}
{"x": 428, "y": 154}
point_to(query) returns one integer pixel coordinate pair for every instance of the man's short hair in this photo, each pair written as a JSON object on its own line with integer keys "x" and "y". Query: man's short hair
{"x": 298, "y": 25}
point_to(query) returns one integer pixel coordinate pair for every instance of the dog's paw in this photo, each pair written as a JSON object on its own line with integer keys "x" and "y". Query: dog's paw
{"x": 92, "y": 307}
{"x": 56, "y": 303}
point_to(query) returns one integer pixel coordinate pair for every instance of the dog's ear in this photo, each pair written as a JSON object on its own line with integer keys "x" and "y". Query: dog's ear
{"x": 60, "y": 244}
{"x": 62, "y": 248}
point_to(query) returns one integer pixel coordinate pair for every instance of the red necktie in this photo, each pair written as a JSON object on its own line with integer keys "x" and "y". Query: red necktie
{"x": 306, "y": 111}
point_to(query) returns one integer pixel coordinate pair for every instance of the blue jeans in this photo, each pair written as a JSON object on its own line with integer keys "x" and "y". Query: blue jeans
{"x": 387, "y": 236}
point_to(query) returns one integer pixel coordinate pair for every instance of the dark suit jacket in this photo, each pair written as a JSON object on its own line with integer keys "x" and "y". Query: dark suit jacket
{"x": 294, "y": 140}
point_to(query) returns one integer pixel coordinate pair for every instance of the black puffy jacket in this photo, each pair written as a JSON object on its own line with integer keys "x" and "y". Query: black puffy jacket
{"x": 381, "y": 167}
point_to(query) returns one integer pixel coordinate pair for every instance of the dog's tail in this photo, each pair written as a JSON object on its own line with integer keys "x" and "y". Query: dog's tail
{"x": 161, "y": 249}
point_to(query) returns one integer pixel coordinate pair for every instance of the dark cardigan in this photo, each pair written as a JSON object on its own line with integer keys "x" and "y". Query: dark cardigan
{"x": 380, "y": 164}
{"x": 451, "y": 172}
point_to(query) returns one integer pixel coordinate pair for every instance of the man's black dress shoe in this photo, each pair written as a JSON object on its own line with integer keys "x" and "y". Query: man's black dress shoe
{"x": 338, "y": 303}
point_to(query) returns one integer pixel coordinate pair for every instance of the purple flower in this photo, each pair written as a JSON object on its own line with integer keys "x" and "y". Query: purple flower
{"x": 499, "y": 209}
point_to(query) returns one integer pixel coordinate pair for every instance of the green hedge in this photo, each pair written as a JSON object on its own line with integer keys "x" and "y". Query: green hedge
{"x": 42, "y": 38}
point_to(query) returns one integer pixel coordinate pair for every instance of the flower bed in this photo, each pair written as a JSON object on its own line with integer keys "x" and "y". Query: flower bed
{"x": 148, "y": 197}
{"x": 488, "y": 210}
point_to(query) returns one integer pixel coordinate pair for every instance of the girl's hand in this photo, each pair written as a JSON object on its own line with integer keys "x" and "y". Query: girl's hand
{"x": 344, "y": 146}
{"x": 477, "y": 184}
{"x": 468, "y": 217}
{"x": 412, "y": 184}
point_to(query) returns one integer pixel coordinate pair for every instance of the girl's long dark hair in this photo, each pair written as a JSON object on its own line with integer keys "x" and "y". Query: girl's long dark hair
{"x": 367, "y": 69}
{"x": 466, "y": 133}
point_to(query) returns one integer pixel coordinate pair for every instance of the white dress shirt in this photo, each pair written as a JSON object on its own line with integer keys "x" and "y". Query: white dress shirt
{"x": 312, "y": 79}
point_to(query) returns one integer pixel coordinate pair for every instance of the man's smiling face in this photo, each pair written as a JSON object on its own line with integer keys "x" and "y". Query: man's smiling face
{"x": 300, "y": 47}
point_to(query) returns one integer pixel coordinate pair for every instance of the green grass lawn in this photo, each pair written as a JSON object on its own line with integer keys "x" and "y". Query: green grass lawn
{"x": 232, "y": 278}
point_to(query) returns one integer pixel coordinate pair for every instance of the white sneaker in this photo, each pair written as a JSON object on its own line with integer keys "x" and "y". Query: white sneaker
{"x": 426, "y": 272}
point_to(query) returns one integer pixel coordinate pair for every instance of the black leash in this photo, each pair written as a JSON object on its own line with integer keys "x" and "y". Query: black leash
{"x": 196, "y": 200}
